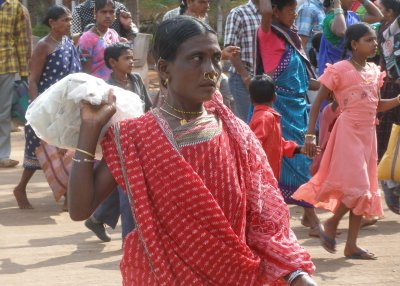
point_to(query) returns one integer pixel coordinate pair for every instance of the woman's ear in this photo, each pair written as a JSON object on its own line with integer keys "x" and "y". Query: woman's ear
{"x": 162, "y": 69}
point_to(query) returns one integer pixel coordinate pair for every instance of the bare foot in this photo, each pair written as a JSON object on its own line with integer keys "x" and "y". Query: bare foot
{"x": 22, "y": 199}
{"x": 367, "y": 221}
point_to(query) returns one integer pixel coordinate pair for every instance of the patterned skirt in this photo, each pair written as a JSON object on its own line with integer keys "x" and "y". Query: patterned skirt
{"x": 31, "y": 143}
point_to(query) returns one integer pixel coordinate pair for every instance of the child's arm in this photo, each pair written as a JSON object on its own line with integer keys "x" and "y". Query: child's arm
{"x": 262, "y": 128}
{"x": 310, "y": 140}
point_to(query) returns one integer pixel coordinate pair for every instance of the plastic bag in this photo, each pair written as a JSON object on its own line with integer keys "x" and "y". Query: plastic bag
{"x": 55, "y": 114}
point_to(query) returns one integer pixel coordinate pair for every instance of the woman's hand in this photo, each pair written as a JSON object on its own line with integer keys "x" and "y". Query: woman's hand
{"x": 98, "y": 115}
{"x": 304, "y": 280}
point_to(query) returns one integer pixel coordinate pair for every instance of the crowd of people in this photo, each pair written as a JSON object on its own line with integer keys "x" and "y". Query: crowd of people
{"x": 202, "y": 185}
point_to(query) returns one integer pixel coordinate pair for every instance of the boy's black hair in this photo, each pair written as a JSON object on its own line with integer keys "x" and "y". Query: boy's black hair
{"x": 262, "y": 89}
{"x": 114, "y": 51}
{"x": 280, "y": 4}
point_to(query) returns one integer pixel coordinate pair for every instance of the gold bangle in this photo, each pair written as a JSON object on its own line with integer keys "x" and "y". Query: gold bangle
{"x": 398, "y": 98}
{"x": 85, "y": 152}
{"x": 310, "y": 136}
{"x": 84, "y": 160}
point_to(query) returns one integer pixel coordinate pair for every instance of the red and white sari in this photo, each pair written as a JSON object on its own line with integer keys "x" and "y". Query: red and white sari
{"x": 206, "y": 202}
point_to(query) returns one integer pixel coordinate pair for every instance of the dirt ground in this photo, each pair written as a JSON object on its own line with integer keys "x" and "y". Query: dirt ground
{"x": 44, "y": 247}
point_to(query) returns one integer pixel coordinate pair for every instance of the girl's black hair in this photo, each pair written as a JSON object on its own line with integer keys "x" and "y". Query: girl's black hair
{"x": 172, "y": 33}
{"x": 354, "y": 33}
{"x": 392, "y": 4}
{"x": 262, "y": 89}
{"x": 183, "y": 7}
{"x": 100, "y": 4}
{"x": 55, "y": 12}
{"x": 114, "y": 51}
{"x": 280, "y": 4}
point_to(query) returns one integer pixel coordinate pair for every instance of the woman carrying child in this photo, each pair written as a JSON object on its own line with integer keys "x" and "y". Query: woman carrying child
{"x": 347, "y": 177}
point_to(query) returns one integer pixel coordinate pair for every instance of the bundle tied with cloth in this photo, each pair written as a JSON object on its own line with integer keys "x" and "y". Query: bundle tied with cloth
{"x": 55, "y": 114}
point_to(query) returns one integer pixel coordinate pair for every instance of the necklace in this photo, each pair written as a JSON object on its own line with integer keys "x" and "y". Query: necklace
{"x": 124, "y": 83}
{"x": 359, "y": 65}
{"x": 99, "y": 32}
{"x": 55, "y": 40}
{"x": 183, "y": 111}
{"x": 182, "y": 121}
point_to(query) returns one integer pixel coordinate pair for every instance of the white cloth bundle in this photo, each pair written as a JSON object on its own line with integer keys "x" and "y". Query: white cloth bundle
{"x": 55, "y": 114}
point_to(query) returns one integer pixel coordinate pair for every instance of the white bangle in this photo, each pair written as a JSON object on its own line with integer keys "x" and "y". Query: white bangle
{"x": 294, "y": 275}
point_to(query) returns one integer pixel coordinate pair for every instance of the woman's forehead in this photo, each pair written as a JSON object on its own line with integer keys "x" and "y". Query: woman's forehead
{"x": 207, "y": 41}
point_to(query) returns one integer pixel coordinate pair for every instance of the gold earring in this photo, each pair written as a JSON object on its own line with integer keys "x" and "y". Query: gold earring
{"x": 166, "y": 81}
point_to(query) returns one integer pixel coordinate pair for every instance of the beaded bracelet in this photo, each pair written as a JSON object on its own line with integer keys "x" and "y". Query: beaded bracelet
{"x": 312, "y": 136}
{"x": 84, "y": 160}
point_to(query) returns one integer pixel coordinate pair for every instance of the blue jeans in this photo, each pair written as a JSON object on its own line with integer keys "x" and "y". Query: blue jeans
{"x": 116, "y": 204}
{"x": 240, "y": 95}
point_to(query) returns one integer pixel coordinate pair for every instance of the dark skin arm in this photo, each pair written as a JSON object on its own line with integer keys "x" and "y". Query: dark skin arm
{"x": 87, "y": 188}
{"x": 387, "y": 104}
{"x": 36, "y": 67}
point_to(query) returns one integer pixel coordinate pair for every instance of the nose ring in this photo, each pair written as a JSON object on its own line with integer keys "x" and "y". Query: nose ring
{"x": 211, "y": 76}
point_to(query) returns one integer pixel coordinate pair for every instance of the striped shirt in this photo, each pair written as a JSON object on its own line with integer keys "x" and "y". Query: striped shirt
{"x": 240, "y": 30}
{"x": 309, "y": 20}
{"x": 13, "y": 39}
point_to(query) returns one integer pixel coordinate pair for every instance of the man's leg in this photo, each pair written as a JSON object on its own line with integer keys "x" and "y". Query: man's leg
{"x": 6, "y": 96}
{"x": 127, "y": 220}
{"x": 240, "y": 95}
{"x": 106, "y": 213}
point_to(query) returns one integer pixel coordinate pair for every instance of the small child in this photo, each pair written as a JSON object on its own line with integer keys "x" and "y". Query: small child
{"x": 119, "y": 58}
{"x": 265, "y": 123}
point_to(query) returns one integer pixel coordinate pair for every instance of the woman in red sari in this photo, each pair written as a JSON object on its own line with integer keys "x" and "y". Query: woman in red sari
{"x": 205, "y": 200}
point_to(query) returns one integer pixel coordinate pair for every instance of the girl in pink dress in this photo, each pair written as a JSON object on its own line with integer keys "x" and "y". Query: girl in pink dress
{"x": 347, "y": 177}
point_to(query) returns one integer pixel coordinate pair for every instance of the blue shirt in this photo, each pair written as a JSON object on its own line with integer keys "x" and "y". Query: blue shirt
{"x": 309, "y": 20}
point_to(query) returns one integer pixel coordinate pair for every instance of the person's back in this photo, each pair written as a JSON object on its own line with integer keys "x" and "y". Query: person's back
{"x": 13, "y": 59}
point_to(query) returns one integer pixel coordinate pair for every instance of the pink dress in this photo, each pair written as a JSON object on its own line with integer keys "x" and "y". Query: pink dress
{"x": 348, "y": 170}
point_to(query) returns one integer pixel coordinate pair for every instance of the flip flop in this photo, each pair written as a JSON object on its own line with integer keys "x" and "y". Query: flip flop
{"x": 329, "y": 244}
{"x": 362, "y": 254}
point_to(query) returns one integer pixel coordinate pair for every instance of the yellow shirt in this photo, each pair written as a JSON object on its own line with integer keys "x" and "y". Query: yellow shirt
{"x": 13, "y": 39}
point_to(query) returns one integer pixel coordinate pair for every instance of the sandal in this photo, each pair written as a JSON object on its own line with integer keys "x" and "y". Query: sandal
{"x": 329, "y": 244}
{"x": 362, "y": 254}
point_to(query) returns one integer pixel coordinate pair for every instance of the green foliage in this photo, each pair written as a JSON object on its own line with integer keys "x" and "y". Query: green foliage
{"x": 40, "y": 30}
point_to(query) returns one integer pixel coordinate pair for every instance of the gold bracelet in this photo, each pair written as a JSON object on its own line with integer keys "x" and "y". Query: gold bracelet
{"x": 310, "y": 136}
{"x": 398, "y": 98}
{"x": 84, "y": 160}
{"x": 85, "y": 152}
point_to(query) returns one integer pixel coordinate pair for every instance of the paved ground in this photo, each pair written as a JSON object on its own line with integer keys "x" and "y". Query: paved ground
{"x": 44, "y": 247}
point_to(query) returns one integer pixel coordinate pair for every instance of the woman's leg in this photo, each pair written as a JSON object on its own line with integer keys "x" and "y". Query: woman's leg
{"x": 311, "y": 220}
{"x": 20, "y": 189}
